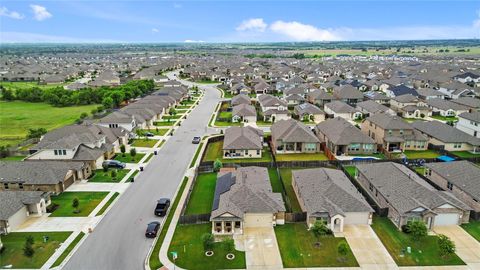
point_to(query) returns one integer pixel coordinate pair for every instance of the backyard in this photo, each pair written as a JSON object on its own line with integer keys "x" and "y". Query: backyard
{"x": 13, "y": 248}
{"x": 465, "y": 154}
{"x": 201, "y": 198}
{"x": 18, "y": 116}
{"x": 187, "y": 242}
{"x": 87, "y": 203}
{"x": 301, "y": 157}
{"x": 128, "y": 158}
{"x": 425, "y": 252}
{"x": 473, "y": 228}
{"x": 214, "y": 151}
{"x": 410, "y": 154}
{"x": 286, "y": 174}
{"x": 106, "y": 177}
{"x": 300, "y": 251}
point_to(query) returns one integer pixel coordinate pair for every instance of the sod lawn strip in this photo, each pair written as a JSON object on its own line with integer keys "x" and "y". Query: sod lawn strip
{"x": 87, "y": 202}
{"x": 465, "y": 154}
{"x": 101, "y": 176}
{"x": 144, "y": 143}
{"x": 201, "y": 198}
{"x": 69, "y": 249}
{"x": 106, "y": 205}
{"x": 14, "y": 243}
{"x": 351, "y": 170}
{"x": 197, "y": 153}
{"x": 13, "y": 158}
{"x": 473, "y": 228}
{"x": 127, "y": 158}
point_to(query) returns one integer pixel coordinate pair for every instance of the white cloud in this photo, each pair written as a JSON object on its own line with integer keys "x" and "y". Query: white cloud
{"x": 302, "y": 32}
{"x": 40, "y": 13}
{"x": 255, "y": 24}
{"x": 154, "y": 30}
{"x": 10, "y": 14}
{"x": 193, "y": 41}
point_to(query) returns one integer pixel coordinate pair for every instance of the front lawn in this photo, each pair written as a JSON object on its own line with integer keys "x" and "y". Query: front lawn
{"x": 225, "y": 114}
{"x": 87, "y": 202}
{"x": 158, "y": 131}
{"x": 465, "y": 154}
{"x": 69, "y": 249}
{"x": 13, "y": 248}
{"x": 163, "y": 123}
{"x": 201, "y": 198}
{"x": 144, "y": 143}
{"x": 424, "y": 252}
{"x": 473, "y": 228}
{"x": 102, "y": 176}
{"x": 301, "y": 157}
{"x": 214, "y": 152}
{"x": 171, "y": 117}
{"x": 297, "y": 247}
{"x": 128, "y": 158}
{"x": 286, "y": 174}
{"x": 187, "y": 242}
{"x": 226, "y": 124}
{"x": 181, "y": 107}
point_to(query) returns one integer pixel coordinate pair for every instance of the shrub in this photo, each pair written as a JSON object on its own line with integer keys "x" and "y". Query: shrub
{"x": 123, "y": 149}
{"x": 446, "y": 246}
{"x": 105, "y": 167}
{"x": 133, "y": 153}
{"x": 207, "y": 240}
{"x": 52, "y": 207}
{"x": 342, "y": 248}
{"x": 417, "y": 229}
{"x": 75, "y": 204}
{"x": 28, "y": 250}
{"x": 229, "y": 245}
{"x": 319, "y": 228}
{"x": 113, "y": 174}
{"x": 217, "y": 165}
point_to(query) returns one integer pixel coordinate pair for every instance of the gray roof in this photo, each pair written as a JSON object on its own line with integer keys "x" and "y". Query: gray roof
{"x": 445, "y": 104}
{"x": 36, "y": 172}
{"x": 473, "y": 116}
{"x": 463, "y": 174}
{"x": 307, "y": 109}
{"x": 244, "y": 110}
{"x": 271, "y": 101}
{"x": 340, "y": 107}
{"x": 247, "y": 191}
{"x": 372, "y": 106}
{"x": 12, "y": 201}
{"x": 292, "y": 131}
{"x": 328, "y": 190}
{"x": 243, "y": 138}
{"x": 70, "y": 137}
{"x": 340, "y": 132}
{"x": 404, "y": 189}
{"x": 386, "y": 121}
{"x": 347, "y": 92}
{"x": 468, "y": 101}
{"x": 240, "y": 99}
{"x": 445, "y": 133}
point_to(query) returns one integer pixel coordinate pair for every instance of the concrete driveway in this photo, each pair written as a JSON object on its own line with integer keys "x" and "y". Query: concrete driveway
{"x": 261, "y": 249}
{"x": 468, "y": 249}
{"x": 367, "y": 248}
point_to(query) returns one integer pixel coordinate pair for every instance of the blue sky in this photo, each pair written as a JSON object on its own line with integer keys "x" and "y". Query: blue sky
{"x": 236, "y": 21}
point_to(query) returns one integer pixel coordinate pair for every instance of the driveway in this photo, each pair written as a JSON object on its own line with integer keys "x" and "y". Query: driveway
{"x": 468, "y": 249}
{"x": 261, "y": 249}
{"x": 367, "y": 248}
{"x": 118, "y": 241}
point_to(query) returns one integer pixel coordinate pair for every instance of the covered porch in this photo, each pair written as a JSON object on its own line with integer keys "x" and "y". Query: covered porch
{"x": 227, "y": 226}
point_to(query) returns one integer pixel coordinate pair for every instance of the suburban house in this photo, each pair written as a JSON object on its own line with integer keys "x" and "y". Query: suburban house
{"x": 319, "y": 97}
{"x": 244, "y": 113}
{"x": 370, "y": 107}
{"x": 400, "y": 90}
{"x": 469, "y": 123}
{"x": 118, "y": 119}
{"x": 273, "y": 108}
{"x": 309, "y": 112}
{"x": 328, "y": 195}
{"x": 456, "y": 90}
{"x": 467, "y": 77}
{"x": 461, "y": 178}
{"x": 445, "y": 108}
{"x": 341, "y": 109}
{"x": 377, "y": 97}
{"x": 244, "y": 199}
{"x": 473, "y": 104}
{"x": 408, "y": 197}
{"x": 348, "y": 94}
{"x": 429, "y": 93}
{"x": 243, "y": 142}
{"x": 291, "y": 136}
{"x": 17, "y": 206}
{"x": 240, "y": 99}
{"x": 342, "y": 138}
{"x": 446, "y": 137}
{"x": 391, "y": 133}
{"x": 48, "y": 176}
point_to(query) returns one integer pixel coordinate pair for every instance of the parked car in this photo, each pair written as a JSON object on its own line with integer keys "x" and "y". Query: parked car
{"x": 162, "y": 207}
{"x": 113, "y": 164}
{"x": 149, "y": 134}
{"x": 152, "y": 229}
{"x": 196, "y": 140}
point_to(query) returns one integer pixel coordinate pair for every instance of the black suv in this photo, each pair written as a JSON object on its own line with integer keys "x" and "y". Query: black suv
{"x": 162, "y": 207}
{"x": 113, "y": 164}
{"x": 152, "y": 229}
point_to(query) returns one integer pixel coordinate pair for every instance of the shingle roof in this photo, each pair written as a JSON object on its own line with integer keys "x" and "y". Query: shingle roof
{"x": 307, "y": 108}
{"x": 36, "y": 172}
{"x": 445, "y": 133}
{"x": 12, "y": 201}
{"x": 340, "y": 132}
{"x": 473, "y": 116}
{"x": 386, "y": 121}
{"x": 292, "y": 131}
{"x": 244, "y": 110}
{"x": 372, "y": 107}
{"x": 245, "y": 138}
{"x": 340, "y": 107}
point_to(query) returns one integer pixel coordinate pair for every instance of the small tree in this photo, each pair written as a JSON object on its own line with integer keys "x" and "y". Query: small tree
{"x": 207, "y": 240}
{"x": 75, "y": 204}
{"x": 133, "y": 153}
{"x": 113, "y": 174}
{"x": 28, "y": 250}
{"x": 446, "y": 245}
{"x": 342, "y": 248}
{"x": 105, "y": 167}
{"x": 319, "y": 228}
{"x": 229, "y": 245}
{"x": 123, "y": 149}
{"x": 83, "y": 115}
{"x": 217, "y": 165}
{"x": 417, "y": 229}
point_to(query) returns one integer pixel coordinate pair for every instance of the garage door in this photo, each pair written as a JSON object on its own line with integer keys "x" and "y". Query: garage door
{"x": 446, "y": 219}
{"x": 258, "y": 220}
{"x": 356, "y": 218}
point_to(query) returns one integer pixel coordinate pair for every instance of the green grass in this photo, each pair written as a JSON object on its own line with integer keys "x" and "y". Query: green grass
{"x": 158, "y": 132}
{"x": 286, "y": 174}
{"x": 184, "y": 107}
{"x": 201, "y": 198}
{"x": 154, "y": 260}
{"x": 15, "y": 241}
{"x": 425, "y": 252}
{"x": 171, "y": 117}
{"x": 226, "y": 124}
{"x": 87, "y": 202}
{"x": 187, "y": 242}
{"x": 411, "y": 154}
{"x": 445, "y": 118}
{"x": 105, "y": 177}
{"x": 150, "y": 156}
{"x": 128, "y": 158}
{"x": 297, "y": 248}
{"x": 350, "y": 170}
{"x": 197, "y": 153}
{"x": 164, "y": 123}
{"x": 69, "y": 249}
{"x": 109, "y": 202}
{"x": 18, "y": 116}
{"x": 28, "y": 85}
{"x": 13, "y": 158}
{"x": 301, "y": 157}
{"x": 132, "y": 176}
{"x": 225, "y": 115}
{"x": 214, "y": 151}
{"x": 465, "y": 154}
{"x": 473, "y": 228}
{"x": 420, "y": 170}
{"x": 377, "y": 155}
{"x": 207, "y": 82}
{"x": 275, "y": 180}
{"x": 144, "y": 142}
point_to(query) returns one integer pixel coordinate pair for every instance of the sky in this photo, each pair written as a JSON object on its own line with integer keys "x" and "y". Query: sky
{"x": 236, "y": 21}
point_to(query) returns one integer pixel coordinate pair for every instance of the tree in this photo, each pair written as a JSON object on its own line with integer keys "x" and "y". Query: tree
{"x": 105, "y": 167}
{"x": 123, "y": 149}
{"x": 217, "y": 165}
{"x": 319, "y": 228}
{"x": 75, "y": 204}
{"x": 446, "y": 245}
{"x": 229, "y": 245}
{"x": 7, "y": 94}
{"x": 113, "y": 174}
{"x": 207, "y": 240}
{"x": 133, "y": 153}
{"x": 342, "y": 248}
{"x": 107, "y": 102}
{"x": 36, "y": 132}
{"x": 417, "y": 229}
{"x": 28, "y": 250}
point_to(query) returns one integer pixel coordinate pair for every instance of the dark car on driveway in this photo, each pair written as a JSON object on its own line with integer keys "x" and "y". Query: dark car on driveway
{"x": 162, "y": 207}
{"x": 196, "y": 140}
{"x": 152, "y": 229}
{"x": 113, "y": 164}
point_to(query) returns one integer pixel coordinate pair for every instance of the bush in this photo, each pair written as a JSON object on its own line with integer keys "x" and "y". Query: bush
{"x": 123, "y": 149}
{"x": 217, "y": 165}
{"x": 447, "y": 247}
{"x": 228, "y": 245}
{"x": 320, "y": 228}
{"x": 405, "y": 229}
{"x": 52, "y": 207}
{"x": 342, "y": 248}
{"x": 417, "y": 229}
{"x": 207, "y": 240}
{"x": 105, "y": 167}
{"x": 113, "y": 174}
{"x": 36, "y": 132}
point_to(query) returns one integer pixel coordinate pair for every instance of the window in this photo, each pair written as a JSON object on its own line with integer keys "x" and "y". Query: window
{"x": 258, "y": 152}
{"x": 457, "y": 145}
{"x": 390, "y": 132}
{"x": 55, "y": 152}
{"x": 450, "y": 186}
{"x": 5, "y": 186}
{"x": 20, "y": 185}
{"x": 64, "y": 152}
{"x": 401, "y": 131}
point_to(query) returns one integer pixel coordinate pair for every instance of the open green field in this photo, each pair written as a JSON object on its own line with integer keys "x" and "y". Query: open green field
{"x": 419, "y": 50}
{"x": 16, "y": 117}
{"x": 297, "y": 248}
{"x": 14, "y": 243}
{"x": 473, "y": 228}
{"x": 87, "y": 202}
{"x": 201, "y": 198}
{"x": 28, "y": 85}
{"x": 187, "y": 242}
{"x": 424, "y": 251}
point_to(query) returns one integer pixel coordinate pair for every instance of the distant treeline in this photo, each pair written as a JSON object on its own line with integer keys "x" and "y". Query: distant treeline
{"x": 109, "y": 97}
